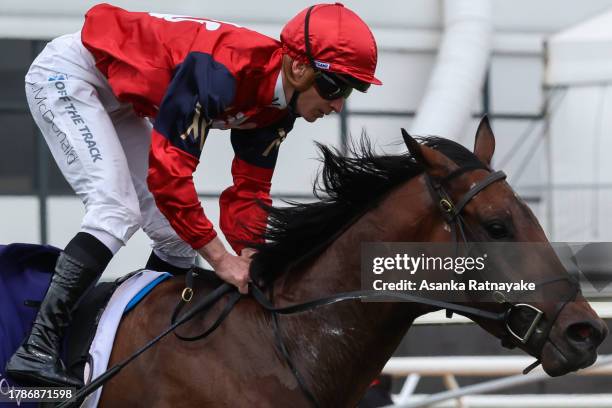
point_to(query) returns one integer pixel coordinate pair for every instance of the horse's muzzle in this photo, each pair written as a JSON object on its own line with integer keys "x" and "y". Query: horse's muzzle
{"x": 573, "y": 343}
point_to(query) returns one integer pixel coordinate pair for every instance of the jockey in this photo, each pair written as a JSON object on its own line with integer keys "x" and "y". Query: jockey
{"x": 125, "y": 106}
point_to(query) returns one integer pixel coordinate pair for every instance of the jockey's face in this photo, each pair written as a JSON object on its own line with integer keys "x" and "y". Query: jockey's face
{"x": 311, "y": 106}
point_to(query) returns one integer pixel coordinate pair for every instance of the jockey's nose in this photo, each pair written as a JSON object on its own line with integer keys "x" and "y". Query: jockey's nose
{"x": 337, "y": 104}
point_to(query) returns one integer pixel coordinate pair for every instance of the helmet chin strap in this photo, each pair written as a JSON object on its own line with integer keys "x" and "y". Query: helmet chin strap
{"x": 292, "y": 105}
{"x": 297, "y": 85}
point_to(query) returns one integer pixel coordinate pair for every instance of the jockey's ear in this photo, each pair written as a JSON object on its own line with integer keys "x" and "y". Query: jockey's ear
{"x": 436, "y": 164}
{"x": 297, "y": 73}
{"x": 484, "y": 145}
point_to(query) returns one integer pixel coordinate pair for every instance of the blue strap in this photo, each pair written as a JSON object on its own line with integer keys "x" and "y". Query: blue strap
{"x": 145, "y": 291}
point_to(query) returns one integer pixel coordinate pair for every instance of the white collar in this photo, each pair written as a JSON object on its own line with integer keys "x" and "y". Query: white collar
{"x": 278, "y": 100}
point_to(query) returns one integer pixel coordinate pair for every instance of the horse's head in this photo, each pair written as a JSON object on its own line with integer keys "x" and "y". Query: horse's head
{"x": 563, "y": 332}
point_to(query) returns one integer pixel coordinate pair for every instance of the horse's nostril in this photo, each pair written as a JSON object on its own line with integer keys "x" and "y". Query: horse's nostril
{"x": 585, "y": 334}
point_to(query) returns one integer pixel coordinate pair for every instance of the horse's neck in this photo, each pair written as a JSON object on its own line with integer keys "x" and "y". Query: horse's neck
{"x": 402, "y": 216}
{"x": 339, "y": 352}
{"x": 352, "y": 337}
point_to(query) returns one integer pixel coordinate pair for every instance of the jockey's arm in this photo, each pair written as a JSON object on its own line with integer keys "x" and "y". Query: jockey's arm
{"x": 175, "y": 150}
{"x": 242, "y": 218}
{"x": 198, "y": 93}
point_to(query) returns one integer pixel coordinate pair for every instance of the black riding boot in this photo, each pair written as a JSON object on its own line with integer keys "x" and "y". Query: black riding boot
{"x": 37, "y": 361}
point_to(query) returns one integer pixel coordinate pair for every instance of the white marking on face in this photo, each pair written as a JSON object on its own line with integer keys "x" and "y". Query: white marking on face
{"x": 518, "y": 197}
{"x": 447, "y": 227}
{"x": 335, "y": 332}
{"x": 314, "y": 352}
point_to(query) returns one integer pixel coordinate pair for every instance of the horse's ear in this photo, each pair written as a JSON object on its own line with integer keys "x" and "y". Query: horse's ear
{"x": 436, "y": 164}
{"x": 414, "y": 147}
{"x": 484, "y": 145}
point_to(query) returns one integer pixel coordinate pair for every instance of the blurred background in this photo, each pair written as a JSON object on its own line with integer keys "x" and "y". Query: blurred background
{"x": 541, "y": 70}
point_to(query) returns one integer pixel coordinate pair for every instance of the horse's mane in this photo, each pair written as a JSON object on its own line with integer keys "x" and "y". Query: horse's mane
{"x": 346, "y": 188}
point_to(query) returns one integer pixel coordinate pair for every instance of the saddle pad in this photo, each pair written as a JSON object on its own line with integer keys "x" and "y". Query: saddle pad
{"x": 123, "y": 300}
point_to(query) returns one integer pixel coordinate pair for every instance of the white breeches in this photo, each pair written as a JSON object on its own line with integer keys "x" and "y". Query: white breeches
{"x": 101, "y": 147}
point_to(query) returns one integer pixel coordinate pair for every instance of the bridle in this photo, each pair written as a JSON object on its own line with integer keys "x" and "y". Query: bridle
{"x": 538, "y": 331}
{"x": 533, "y": 339}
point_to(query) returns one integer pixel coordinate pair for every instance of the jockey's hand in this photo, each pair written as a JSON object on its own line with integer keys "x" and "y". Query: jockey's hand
{"x": 231, "y": 268}
{"x": 235, "y": 270}
{"x": 248, "y": 253}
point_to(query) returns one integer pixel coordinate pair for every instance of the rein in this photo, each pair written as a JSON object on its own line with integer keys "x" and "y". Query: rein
{"x": 201, "y": 305}
{"x": 452, "y": 215}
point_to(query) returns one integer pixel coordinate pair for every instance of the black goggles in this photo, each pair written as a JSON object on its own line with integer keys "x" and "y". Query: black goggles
{"x": 330, "y": 86}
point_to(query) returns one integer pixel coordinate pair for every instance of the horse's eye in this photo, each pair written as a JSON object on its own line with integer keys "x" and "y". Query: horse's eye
{"x": 497, "y": 230}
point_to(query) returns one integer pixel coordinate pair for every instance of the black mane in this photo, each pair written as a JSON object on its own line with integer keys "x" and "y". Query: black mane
{"x": 346, "y": 188}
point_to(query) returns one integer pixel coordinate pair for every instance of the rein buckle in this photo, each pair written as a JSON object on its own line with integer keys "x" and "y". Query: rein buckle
{"x": 446, "y": 206}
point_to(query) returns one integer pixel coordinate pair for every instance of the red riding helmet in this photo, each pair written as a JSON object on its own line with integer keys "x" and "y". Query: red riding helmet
{"x": 338, "y": 41}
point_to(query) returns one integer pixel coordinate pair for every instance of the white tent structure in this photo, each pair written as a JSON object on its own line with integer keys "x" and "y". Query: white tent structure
{"x": 581, "y": 55}
{"x": 579, "y": 130}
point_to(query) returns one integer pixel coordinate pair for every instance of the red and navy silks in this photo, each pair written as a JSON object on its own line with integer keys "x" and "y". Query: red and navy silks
{"x": 25, "y": 274}
{"x": 190, "y": 74}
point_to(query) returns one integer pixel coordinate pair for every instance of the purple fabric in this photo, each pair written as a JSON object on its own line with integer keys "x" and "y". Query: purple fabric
{"x": 25, "y": 273}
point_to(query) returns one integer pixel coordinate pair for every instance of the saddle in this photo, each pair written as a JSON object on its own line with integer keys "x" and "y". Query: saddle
{"x": 87, "y": 316}
{"x": 85, "y": 322}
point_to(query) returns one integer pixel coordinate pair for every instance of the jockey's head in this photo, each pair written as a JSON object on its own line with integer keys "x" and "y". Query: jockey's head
{"x": 328, "y": 52}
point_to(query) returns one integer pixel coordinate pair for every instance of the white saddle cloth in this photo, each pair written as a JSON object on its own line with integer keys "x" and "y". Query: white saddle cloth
{"x": 102, "y": 345}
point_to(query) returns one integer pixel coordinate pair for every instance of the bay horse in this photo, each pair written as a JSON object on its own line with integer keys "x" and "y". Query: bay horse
{"x": 313, "y": 250}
